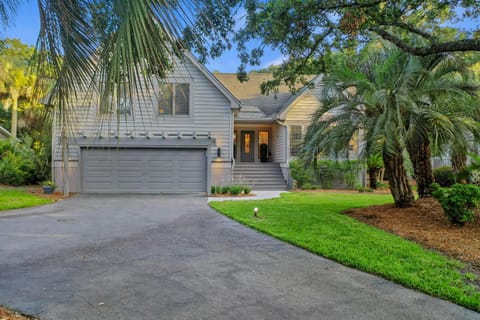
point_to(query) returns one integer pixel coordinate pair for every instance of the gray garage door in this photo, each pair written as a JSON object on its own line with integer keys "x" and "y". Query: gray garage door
{"x": 133, "y": 170}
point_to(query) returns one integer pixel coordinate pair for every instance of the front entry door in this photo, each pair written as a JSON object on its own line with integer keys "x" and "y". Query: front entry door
{"x": 247, "y": 146}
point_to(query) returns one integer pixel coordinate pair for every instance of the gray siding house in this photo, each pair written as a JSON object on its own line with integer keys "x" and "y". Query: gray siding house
{"x": 196, "y": 130}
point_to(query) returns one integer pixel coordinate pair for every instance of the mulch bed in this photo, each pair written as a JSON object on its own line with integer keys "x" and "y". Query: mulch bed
{"x": 425, "y": 223}
{"x": 6, "y": 314}
{"x": 38, "y": 191}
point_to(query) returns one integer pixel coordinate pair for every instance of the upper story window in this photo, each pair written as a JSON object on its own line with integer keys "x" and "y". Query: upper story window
{"x": 296, "y": 140}
{"x": 174, "y": 99}
{"x": 116, "y": 103}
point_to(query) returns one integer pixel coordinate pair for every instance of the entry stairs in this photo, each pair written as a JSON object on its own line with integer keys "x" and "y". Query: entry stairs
{"x": 259, "y": 175}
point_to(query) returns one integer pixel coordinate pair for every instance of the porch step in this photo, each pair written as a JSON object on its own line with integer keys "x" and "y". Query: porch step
{"x": 260, "y": 175}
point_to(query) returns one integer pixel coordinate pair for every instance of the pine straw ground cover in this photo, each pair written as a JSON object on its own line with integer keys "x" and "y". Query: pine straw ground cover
{"x": 426, "y": 224}
{"x": 6, "y": 314}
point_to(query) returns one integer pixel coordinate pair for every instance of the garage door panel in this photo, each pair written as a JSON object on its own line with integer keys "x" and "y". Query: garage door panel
{"x": 135, "y": 170}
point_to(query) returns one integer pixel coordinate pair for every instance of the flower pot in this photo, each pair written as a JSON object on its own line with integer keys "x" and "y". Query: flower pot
{"x": 48, "y": 189}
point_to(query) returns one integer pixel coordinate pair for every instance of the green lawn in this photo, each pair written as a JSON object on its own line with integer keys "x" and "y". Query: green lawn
{"x": 17, "y": 198}
{"x": 313, "y": 221}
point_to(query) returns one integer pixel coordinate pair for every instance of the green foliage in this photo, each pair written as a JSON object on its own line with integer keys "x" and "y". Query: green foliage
{"x": 337, "y": 174}
{"x": 458, "y": 201}
{"x": 444, "y": 176}
{"x": 362, "y": 189}
{"x": 307, "y": 186}
{"x": 314, "y": 221}
{"x": 17, "y": 198}
{"x": 15, "y": 170}
{"x": 309, "y": 32}
{"x": 299, "y": 173}
{"x": 235, "y": 189}
{"x": 22, "y": 162}
{"x": 224, "y": 189}
{"x": 49, "y": 183}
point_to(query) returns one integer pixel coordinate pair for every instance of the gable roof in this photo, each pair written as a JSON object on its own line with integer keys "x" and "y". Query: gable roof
{"x": 4, "y": 132}
{"x": 234, "y": 101}
{"x": 250, "y": 94}
{"x": 294, "y": 98}
{"x": 255, "y": 105}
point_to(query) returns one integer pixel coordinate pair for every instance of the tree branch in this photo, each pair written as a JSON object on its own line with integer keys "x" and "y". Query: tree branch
{"x": 410, "y": 28}
{"x": 347, "y": 4}
{"x": 462, "y": 45}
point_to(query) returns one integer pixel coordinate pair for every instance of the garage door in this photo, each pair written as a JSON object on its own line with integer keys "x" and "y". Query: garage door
{"x": 133, "y": 170}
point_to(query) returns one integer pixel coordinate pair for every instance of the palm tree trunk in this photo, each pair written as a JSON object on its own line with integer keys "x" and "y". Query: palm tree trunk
{"x": 397, "y": 178}
{"x": 420, "y": 155}
{"x": 14, "y": 116}
{"x": 459, "y": 160}
{"x": 372, "y": 175}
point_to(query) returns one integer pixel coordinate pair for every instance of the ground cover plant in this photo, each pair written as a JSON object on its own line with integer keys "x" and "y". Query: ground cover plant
{"x": 314, "y": 221}
{"x": 17, "y": 198}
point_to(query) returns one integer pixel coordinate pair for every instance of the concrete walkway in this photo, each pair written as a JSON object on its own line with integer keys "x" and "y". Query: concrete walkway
{"x": 172, "y": 257}
{"x": 258, "y": 195}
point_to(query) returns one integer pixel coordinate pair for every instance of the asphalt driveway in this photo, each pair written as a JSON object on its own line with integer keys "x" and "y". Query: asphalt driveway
{"x": 172, "y": 257}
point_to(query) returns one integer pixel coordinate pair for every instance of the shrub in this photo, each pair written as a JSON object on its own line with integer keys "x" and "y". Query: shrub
{"x": 458, "y": 201}
{"x": 444, "y": 176}
{"x": 22, "y": 163}
{"x": 236, "y": 189}
{"x": 362, "y": 189}
{"x": 307, "y": 186}
{"x": 299, "y": 173}
{"x": 213, "y": 189}
{"x": 247, "y": 189}
{"x": 16, "y": 170}
{"x": 475, "y": 177}
{"x": 224, "y": 189}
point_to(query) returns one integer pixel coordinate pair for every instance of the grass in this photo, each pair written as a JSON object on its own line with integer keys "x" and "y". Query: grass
{"x": 313, "y": 221}
{"x": 17, "y": 198}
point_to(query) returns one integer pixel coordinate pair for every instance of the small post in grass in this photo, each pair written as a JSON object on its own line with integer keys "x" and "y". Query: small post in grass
{"x": 255, "y": 212}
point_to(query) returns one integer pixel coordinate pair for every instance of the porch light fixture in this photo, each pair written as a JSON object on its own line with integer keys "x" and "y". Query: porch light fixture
{"x": 219, "y": 152}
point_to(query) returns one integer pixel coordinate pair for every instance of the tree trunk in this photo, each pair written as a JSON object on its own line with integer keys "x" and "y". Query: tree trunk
{"x": 372, "y": 175}
{"x": 397, "y": 178}
{"x": 420, "y": 155}
{"x": 14, "y": 115}
{"x": 459, "y": 160}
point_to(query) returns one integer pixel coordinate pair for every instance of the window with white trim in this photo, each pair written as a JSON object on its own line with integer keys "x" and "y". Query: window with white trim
{"x": 174, "y": 99}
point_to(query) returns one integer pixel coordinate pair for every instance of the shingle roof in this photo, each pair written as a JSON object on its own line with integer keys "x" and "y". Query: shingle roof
{"x": 250, "y": 95}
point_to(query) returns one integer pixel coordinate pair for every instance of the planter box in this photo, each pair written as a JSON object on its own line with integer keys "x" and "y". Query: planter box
{"x": 48, "y": 189}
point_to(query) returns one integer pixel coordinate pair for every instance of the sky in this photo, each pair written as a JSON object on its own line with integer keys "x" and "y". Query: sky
{"x": 26, "y": 25}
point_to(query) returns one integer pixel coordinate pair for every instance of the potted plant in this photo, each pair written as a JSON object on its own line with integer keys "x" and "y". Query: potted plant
{"x": 48, "y": 187}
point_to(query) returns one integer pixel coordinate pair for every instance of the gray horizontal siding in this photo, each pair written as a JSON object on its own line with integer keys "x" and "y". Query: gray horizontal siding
{"x": 209, "y": 112}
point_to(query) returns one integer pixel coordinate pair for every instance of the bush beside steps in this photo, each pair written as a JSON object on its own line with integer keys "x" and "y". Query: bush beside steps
{"x": 231, "y": 190}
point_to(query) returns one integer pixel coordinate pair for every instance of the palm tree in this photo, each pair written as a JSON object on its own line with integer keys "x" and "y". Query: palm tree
{"x": 15, "y": 80}
{"x": 438, "y": 112}
{"x": 367, "y": 97}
